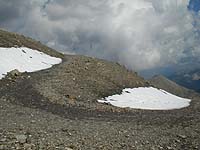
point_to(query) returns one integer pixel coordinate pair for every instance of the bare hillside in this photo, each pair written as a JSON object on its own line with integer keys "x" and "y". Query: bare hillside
{"x": 57, "y": 108}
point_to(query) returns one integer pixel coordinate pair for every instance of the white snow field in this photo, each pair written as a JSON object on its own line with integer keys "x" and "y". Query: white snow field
{"x": 148, "y": 98}
{"x": 25, "y": 60}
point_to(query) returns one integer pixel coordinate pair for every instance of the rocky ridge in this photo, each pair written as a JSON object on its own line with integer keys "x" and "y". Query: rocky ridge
{"x": 57, "y": 109}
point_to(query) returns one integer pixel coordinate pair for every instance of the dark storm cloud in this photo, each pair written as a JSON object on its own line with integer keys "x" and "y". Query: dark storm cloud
{"x": 7, "y": 11}
{"x": 140, "y": 34}
{"x": 13, "y": 13}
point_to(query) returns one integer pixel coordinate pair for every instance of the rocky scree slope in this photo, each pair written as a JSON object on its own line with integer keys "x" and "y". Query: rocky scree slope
{"x": 9, "y": 39}
{"x": 164, "y": 83}
{"x": 78, "y": 80}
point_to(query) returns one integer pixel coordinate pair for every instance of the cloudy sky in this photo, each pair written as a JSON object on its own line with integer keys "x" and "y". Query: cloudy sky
{"x": 140, "y": 34}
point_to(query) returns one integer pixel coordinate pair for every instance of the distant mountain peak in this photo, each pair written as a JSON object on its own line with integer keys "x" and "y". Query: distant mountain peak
{"x": 163, "y": 82}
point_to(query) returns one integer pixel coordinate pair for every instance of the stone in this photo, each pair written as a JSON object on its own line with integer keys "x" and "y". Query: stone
{"x": 182, "y": 136}
{"x": 15, "y": 73}
{"x": 21, "y": 138}
{"x": 3, "y": 140}
{"x": 27, "y": 146}
{"x": 67, "y": 148}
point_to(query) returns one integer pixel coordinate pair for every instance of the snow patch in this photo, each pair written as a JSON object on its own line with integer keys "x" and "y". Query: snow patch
{"x": 146, "y": 98}
{"x": 25, "y": 60}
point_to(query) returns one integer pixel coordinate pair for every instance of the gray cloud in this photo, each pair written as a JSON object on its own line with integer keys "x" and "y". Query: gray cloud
{"x": 5, "y": 15}
{"x": 13, "y": 13}
{"x": 140, "y": 34}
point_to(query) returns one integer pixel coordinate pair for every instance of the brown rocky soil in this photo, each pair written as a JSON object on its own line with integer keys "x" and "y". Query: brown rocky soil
{"x": 57, "y": 109}
{"x": 162, "y": 82}
{"x": 9, "y": 39}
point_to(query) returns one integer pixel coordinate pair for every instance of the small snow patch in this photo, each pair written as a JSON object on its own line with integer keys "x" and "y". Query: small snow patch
{"x": 25, "y": 60}
{"x": 146, "y": 98}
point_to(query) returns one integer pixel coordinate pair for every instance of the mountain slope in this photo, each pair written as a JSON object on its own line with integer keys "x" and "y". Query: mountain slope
{"x": 77, "y": 80}
{"x": 56, "y": 108}
{"x": 8, "y": 39}
{"x": 189, "y": 79}
{"x": 163, "y": 83}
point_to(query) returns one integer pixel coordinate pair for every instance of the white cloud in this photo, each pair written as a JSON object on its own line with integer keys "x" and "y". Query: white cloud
{"x": 140, "y": 34}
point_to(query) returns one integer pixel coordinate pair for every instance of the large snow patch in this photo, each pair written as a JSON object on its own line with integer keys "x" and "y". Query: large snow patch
{"x": 25, "y": 60}
{"x": 147, "y": 98}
